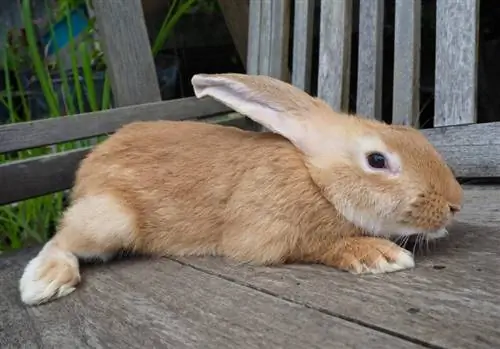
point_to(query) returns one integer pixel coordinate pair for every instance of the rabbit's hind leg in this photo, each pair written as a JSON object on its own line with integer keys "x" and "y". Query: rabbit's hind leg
{"x": 93, "y": 227}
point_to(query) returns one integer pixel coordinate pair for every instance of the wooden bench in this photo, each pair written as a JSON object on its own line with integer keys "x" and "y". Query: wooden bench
{"x": 450, "y": 300}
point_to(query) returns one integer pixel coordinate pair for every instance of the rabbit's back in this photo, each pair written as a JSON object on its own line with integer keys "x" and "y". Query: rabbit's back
{"x": 190, "y": 185}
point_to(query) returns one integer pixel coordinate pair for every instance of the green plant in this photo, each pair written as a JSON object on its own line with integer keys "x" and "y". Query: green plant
{"x": 33, "y": 221}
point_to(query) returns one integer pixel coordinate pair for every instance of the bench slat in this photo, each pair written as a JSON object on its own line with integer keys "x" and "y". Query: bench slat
{"x": 406, "y": 94}
{"x": 265, "y": 36}
{"x": 472, "y": 150}
{"x": 127, "y": 51}
{"x": 39, "y": 176}
{"x": 370, "y": 59}
{"x": 55, "y": 172}
{"x": 302, "y": 44}
{"x": 254, "y": 30}
{"x": 334, "y": 53}
{"x": 456, "y": 62}
{"x": 56, "y": 130}
{"x": 279, "y": 37}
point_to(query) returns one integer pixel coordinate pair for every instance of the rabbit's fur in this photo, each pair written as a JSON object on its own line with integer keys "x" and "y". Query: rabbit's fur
{"x": 303, "y": 193}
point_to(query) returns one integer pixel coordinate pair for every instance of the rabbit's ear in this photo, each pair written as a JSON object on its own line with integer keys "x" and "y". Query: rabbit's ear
{"x": 278, "y": 106}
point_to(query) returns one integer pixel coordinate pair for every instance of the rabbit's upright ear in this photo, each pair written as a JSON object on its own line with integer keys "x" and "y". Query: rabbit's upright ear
{"x": 278, "y": 106}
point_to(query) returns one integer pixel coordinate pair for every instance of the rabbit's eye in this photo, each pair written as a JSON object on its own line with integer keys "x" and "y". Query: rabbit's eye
{"x": 376, "y": 160}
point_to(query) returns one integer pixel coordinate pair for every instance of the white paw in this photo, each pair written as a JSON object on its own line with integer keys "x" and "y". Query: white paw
{"x": 50, "y": 275}
{"x": 403, "y": 260}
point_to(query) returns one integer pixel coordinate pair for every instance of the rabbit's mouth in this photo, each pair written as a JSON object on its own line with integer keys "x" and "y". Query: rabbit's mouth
{"x": 437, "y": 234}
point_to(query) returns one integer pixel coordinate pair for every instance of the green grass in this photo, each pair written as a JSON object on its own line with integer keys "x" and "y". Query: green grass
{"x": 33, "y": 221}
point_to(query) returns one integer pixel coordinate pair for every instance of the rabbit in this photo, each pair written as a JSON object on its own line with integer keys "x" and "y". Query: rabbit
{"x": 320, "y": 187}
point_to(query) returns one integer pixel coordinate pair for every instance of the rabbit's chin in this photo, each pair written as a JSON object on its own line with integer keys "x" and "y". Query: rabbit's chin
{"x": 378, "y": 226}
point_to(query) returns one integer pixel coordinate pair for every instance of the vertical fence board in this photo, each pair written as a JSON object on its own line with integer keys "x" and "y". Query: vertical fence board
{"x": 127, "y": 51}
{"x": 457, "y": 25}
{"x": 370, "y": 59}
{"x": 334, "y": 52}
{"x": 266, "y": 9}
{"x": 280, "y": 33}
{"x": 270, "y": 40}
{"x": 302, "y": 44}
{"x": 406, "y": 96}
{"x": 253, "y": 36}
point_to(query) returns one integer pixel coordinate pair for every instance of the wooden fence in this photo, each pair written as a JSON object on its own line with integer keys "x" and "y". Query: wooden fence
{"x": 473, "y": 150}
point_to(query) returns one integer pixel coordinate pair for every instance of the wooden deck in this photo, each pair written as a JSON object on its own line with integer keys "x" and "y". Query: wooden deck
{"x": 451, "y": 300}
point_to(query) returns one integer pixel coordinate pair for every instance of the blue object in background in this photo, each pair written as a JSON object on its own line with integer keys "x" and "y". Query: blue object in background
{"x": 60, "y": 36}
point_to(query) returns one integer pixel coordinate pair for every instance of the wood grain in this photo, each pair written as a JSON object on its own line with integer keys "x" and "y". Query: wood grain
{"x": 279, "y": 37}
{"x": 450, "y": 300}
{"x": 170, "y": 306}
{"x": 302, "y": 44}
{"x": 406, "y": 87}
{"x": 334, "y": 53}
{"x": 370, "y": 59}
{"x": 127, "y": 51}
{"x": 254, "y": 30}
{"x": 471, "y": 150}
{"x": 57, "y": 130}
{"x": 39, "y": 176}
{"x": 457, "y": 24}
{"x": 51, "y": 173}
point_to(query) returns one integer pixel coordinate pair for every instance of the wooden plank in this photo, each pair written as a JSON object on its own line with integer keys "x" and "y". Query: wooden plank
{"x": 471, "y": 150}
{"x": 266, "y": 11}
{"x": 236, "y": 17}
{"x": 127, "y": 51}
{"x": 406, "y": 88}
{"x": 174, "y": 306}
{"x": 254, "y": 30}
{"x": 56, "y": 130}
{"x": 457, "y": 24}
{"x": 51, "y": 173}
{"x": 39, "y": 176}
{"x": 334, "y": 53}
{"x": 273, "y": 37}
{"x": 302, "y": 44}
{"x": 456, "y": 283}
{"x": 370, "y": 59}
{"x": 280, "y": 31}
{"x": 17, "y": 329}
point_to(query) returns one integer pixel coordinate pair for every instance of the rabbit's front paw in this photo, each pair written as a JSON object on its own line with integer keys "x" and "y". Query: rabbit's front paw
{"x": 372, "y": 255}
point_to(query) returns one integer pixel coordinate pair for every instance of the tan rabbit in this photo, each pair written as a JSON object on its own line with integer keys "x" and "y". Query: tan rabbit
{"x": 322, "y": 188}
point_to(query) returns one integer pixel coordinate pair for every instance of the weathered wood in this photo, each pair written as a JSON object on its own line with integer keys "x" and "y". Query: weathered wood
{"x": 266, "y": 11}
{"x": 174, "y": 306}
{"x": 236, "y": 17}
{"x": 268, "y": 39}
{"x": 457, "y": 24}
{"x": 279, "y": 37}
{"x": 406, "y": 93}
{"x": 370, "y": 59}
{"x": 56, "y": 130}
{"x": 471, "y": 150}
{"x": 273, "y": 32}
{"x": 254, "y": 30}
{"x": 38, "y": 176}
{"x": 302, "y": 44}
{"x": 334, "y": 53}
{"x": 51, "y": 173}
{"x": 127, "y": 51}
{"x": 450, "y": 300}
